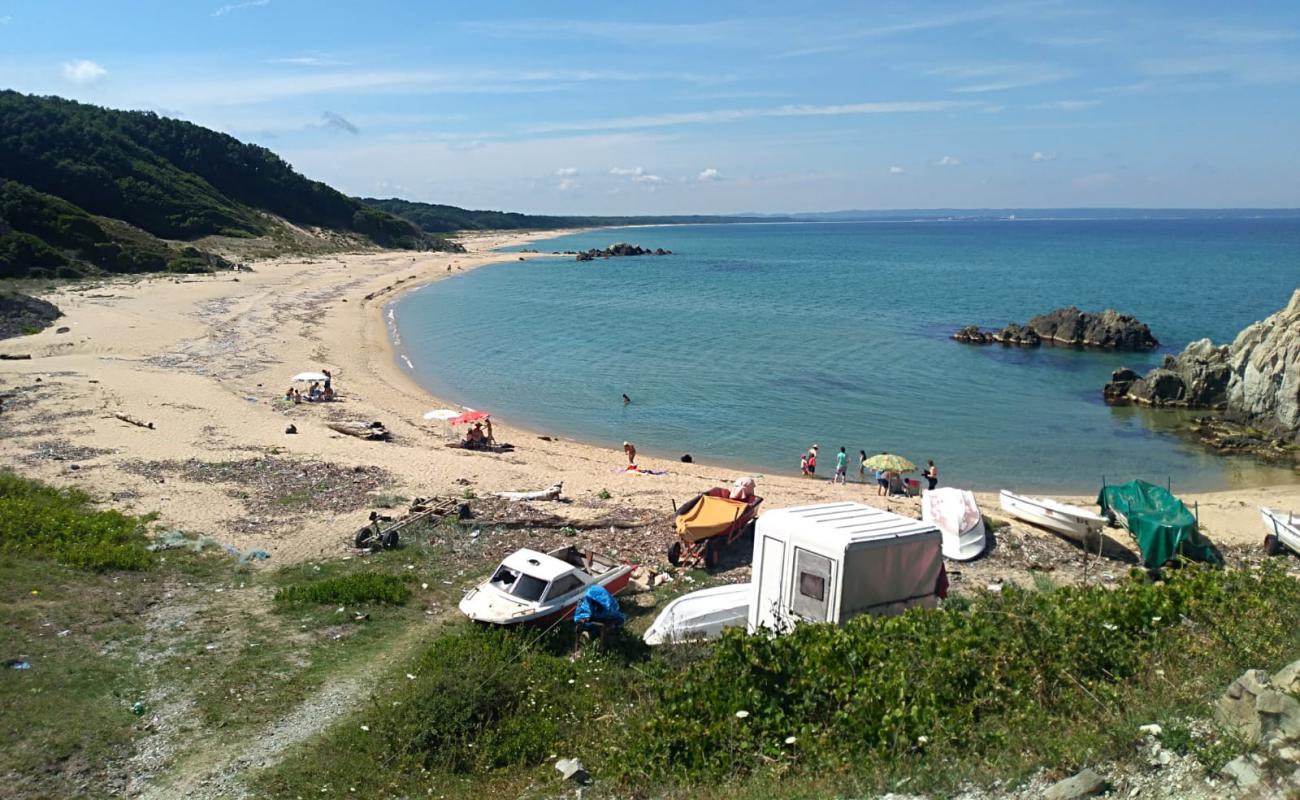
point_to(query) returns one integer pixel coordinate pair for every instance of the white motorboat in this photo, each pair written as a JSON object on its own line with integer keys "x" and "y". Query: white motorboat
{"x": 703, "y": 615}
{"x": 958, "y": 518}
{"x": 540, "y": 588}
{"x": 1070, "y": 521}
{"x": 1283, "y": 531}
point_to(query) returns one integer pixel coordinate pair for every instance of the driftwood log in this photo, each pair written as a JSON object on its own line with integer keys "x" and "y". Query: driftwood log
{"x": 11, "y": 357}
{"x": 373, "y": 431}
{"x": 552, "y": 521}
{"x": 134, "y": 421}
{"x": 552, "y": 492}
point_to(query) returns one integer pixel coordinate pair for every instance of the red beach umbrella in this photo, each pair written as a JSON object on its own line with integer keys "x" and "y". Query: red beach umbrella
{"x": 469, "y": 416}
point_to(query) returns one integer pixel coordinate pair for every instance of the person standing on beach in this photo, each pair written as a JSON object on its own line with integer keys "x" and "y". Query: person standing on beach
{"x": 812, "y": 461}
{"x": 329, "y": 379}
{"x": 862, "y": 465}
{"x": 932, "y": 475}
{"x": 841, "y": 467}
{"x": 630, "y": 449}
{"x": 803, "y": 464}
{"x": 882, "y": 479}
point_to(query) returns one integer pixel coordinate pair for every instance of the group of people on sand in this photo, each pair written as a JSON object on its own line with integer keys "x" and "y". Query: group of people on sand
{"x": 316, "y": 393}
{"x": 478, "y": 437}
{"x": 887, "y": 481}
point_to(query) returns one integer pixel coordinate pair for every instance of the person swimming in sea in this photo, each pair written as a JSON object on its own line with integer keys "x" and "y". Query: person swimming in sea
{"x": 626, "y": 399}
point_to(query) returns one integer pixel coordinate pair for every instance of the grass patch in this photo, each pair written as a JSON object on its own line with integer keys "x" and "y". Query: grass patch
{"x": 62, "y": 525}
{"x": 349, "y": 590}
{"x": 388, "y": 501}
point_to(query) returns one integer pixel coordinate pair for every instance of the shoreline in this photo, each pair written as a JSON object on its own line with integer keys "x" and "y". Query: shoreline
{"x": 208, "y": 359}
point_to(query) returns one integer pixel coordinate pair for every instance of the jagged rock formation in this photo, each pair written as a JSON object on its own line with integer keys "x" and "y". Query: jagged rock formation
{"x": 21, "y": 314}
{"x": 1254, "y": 381}
{"x": 1070, "y": 327}
{"x": 622, "y": 249}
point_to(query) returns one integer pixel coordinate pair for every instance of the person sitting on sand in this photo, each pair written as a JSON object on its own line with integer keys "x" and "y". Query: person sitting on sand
{"x": 474, "y": 437}
{"x": 630, "y": 449}
{"x": 288, "y": 395}
{"x": 297, "y": 397}
{"x": 327, "y": 395}
{"x": 314, "y": 391}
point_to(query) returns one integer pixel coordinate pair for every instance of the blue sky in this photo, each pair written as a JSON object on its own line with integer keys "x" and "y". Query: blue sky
{"x": 681, "y": 107}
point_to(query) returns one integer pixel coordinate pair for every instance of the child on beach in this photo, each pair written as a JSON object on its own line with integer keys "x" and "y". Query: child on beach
{"x": 803, "y": 464}
{"x": 862, "y": 465}
{"x": 812, "y": 461}
{"x": 630, "y": 449}
{"x": 841, "y": 467}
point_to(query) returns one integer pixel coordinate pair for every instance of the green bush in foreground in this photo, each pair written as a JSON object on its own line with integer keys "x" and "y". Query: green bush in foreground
{"x": 348, "y": 590}
{"x": 973, "y": 680}
{"x": 45, "y": 522}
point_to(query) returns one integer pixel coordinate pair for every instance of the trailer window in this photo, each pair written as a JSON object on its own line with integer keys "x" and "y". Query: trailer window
{"x": 813, "y": 586}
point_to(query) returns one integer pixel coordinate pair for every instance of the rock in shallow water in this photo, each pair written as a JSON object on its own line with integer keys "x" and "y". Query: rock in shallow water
{"x": 1069, "y": 327}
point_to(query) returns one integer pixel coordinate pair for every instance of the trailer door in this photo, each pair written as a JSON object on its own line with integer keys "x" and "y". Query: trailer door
{"x": 811, "y": 595}
{"x": 767, "y": 609}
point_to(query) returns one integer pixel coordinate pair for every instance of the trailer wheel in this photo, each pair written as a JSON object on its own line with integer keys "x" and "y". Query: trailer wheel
{"x": 362, "y": 538}
{"x": 675, "y": 553}
{"x": 390, "y": 540}
{"x": 712, "y": 554}
{"x": 1272, "y": 546}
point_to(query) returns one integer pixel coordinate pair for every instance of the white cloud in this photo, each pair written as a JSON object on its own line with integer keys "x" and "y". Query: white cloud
{"x": 566, "y": 172}
{"x": 1067, "y": 105}
{"x": 735, "y": 114}
{"x": 647, "y": 178}
{"x": 83, "y": 71}
{"x": 226, "y": 9}
{"x": 627, "y": 170}
{"x": 897, "y": 170}
{"x": 709, "y": 174}
{"x": 1040, "y": 156}
{"x": 567, "y": 184}
{"x": 948, "y": 161}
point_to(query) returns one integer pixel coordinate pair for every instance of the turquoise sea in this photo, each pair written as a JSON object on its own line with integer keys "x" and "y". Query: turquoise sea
{"x": 752, "y": 342}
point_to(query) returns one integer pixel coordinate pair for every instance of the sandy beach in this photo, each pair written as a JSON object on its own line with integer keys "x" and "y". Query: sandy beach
{"x": 207, "y": 359}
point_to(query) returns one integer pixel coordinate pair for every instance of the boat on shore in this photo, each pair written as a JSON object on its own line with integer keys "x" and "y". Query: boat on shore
{"x": 1283, "y": 530}
{"x": 534, "y": 588}
{"x": 701, "y": 616}
{"x": 1072, "y": 522}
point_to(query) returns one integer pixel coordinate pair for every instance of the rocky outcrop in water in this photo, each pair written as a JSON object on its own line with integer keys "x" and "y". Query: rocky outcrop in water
{"x": 21, "y": 314}
{"x": 1068, "y": 327}
{"x": 622, "y": 249}
{"x": 1254, "y": 381}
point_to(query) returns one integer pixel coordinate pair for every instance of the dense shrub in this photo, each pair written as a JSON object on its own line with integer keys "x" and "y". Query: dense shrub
{"x": 40, "y": 520}
{"x": 974, "y": 679}
{"x": 354, "y": 589}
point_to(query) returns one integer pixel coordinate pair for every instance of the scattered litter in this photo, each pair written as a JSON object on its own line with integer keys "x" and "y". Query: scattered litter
{"x": 1152, "y": 730}
{"x": 474, "y": 534}
{"x": 61, "y": 634}
{"x": 365, "y": 728}
{"x": 137, "y": 708}
{"x": 18, "y": 663}
{"x": 210, "y": 647}
{"x": 409, "y": 676}
{"x": 424, "y": 586}
{"x": 572, "y": 770}
{"x": 254, "y": 555}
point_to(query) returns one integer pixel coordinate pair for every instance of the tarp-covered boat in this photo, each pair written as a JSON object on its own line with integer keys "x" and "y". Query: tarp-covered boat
{"x": 1161, "y": 523}
{"x": 958, "y": 518}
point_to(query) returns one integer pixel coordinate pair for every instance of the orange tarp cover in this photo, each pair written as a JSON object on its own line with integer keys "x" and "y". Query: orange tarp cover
{"x": 710, "y": 516}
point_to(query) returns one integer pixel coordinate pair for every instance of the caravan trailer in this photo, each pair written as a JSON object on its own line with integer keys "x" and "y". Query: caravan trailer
{"x": 831, "y": 562}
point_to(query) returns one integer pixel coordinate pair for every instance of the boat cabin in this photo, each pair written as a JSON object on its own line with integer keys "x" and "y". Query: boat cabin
{"x": 833, "y": 561}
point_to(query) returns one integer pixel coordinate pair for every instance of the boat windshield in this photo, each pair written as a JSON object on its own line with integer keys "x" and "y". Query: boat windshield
{"x": 518, "y": 584}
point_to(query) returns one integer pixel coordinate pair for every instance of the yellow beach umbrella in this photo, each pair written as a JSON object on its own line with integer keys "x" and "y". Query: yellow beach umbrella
{"x": 890, "y": 463}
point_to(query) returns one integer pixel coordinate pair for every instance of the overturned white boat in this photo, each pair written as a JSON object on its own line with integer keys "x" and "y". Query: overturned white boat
{"x": 958, "y": 518}
{"x": 1072, "y": 522}
{"x": 700, "y": 616}
{"x": 1283, "y": 531}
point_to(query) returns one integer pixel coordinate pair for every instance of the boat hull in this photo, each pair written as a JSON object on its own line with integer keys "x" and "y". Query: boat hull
{"x": 1068, "y": 521}
{"x": 1284, "y": 525}
{"x": 700, "y": 616}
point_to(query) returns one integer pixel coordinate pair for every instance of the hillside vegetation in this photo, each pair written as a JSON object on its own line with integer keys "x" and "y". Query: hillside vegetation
{"x": 85, "y": 189}
{"x": 435, "y": 218}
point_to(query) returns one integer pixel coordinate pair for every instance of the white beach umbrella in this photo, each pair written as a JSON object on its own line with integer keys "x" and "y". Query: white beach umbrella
{"x": 443, "y": 414}
{"x": 310, "y": 376}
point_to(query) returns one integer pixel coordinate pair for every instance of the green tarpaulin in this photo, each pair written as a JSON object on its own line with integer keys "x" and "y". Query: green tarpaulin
{"x": 1161, "y": 523}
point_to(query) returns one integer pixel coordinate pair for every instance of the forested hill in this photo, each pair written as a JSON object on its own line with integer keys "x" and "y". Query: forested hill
{"x": 86, "y": 189}
{"x": 434, "y": 218}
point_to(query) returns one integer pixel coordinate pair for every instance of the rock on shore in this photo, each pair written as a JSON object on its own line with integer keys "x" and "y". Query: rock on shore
{"x": 1254, "y": 381}
{"x": 1069, "y": 327}
{"x": 622, "y": 249}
